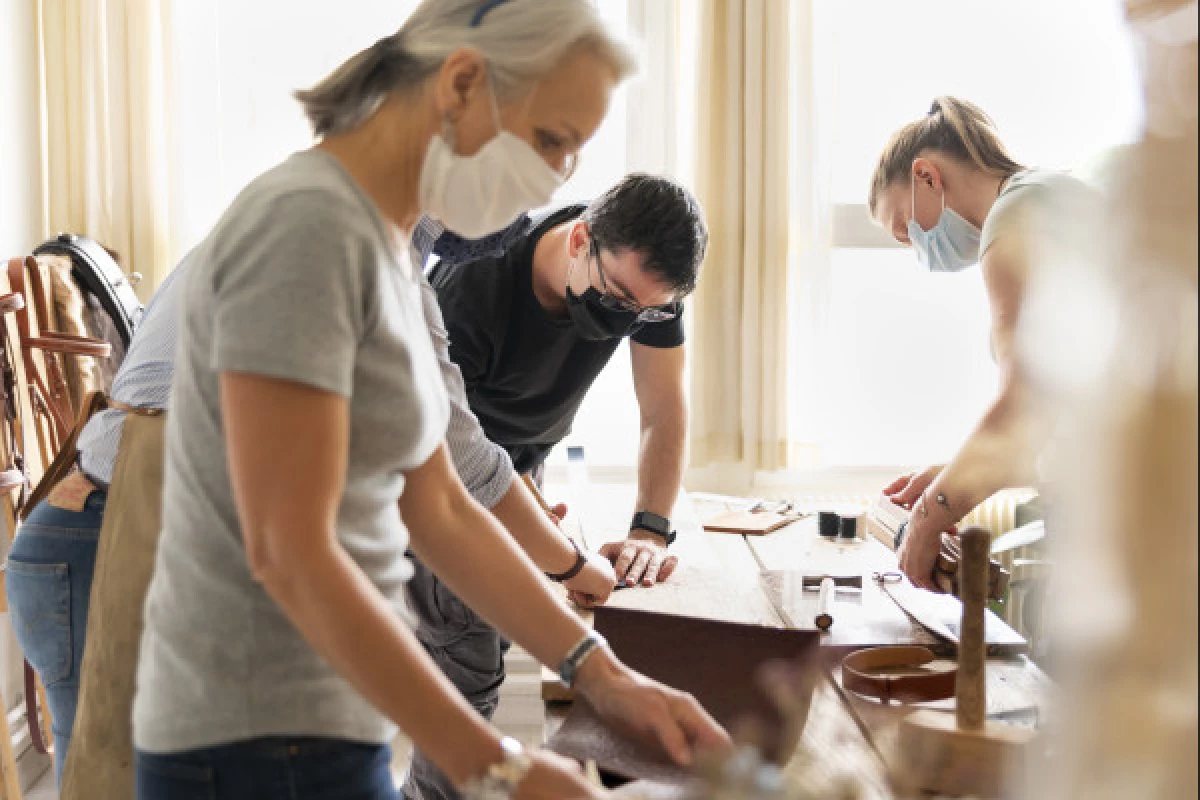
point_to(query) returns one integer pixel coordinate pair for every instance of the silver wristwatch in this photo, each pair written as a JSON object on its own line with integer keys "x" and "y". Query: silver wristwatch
{"x": 568, "y": 670}
{"x": 501, "y": 780}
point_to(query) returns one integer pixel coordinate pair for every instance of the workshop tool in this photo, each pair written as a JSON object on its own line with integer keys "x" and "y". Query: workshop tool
{"x": 969, "y": 754}
{"x": 912, "y": 603}
{"x": 888, "y": 523}
{"x": 827, "y": 585}
{"x": 946, "y": 570}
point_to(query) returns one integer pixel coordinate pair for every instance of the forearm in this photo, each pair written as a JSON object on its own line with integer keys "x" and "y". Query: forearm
{"x": 465, "y": 546}
{"x": 661, "y": 458}
{"x": 533, "y": 530}
{"x": 996, "y": 456}
{"x": 345, "y": 619}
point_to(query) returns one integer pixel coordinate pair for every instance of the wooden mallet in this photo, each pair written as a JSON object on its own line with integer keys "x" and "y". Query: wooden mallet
{"x": 966, "y": 754}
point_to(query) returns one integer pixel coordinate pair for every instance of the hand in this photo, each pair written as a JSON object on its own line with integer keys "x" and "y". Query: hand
{"x": 558, "y": 513}
{"x": 918, "y": 554}
{"x": 907, "y": 489}
{"x": 641, "y": 558}
{"x": 594, "y": 583}
{"x": 553, "y": 777}
{"x": 648, "y": 710}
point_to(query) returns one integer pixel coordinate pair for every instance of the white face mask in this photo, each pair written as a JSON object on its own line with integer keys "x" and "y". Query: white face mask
{"x": 480, "y": 194}
{"x": 950, "y": 245}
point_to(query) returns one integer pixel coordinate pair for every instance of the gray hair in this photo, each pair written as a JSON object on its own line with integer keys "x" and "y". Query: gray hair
{"x": 522, "y": 41}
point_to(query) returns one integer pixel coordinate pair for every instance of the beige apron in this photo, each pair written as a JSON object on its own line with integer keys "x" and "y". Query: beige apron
{"x": 100, "y": 761}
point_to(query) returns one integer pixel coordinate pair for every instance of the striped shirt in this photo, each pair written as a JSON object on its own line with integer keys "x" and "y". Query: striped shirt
{"x": 145, "y": 376}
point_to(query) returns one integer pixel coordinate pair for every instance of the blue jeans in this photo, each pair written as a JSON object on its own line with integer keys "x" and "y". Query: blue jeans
{"x": 49, "y": 584}
{"x": 277, "y": 768}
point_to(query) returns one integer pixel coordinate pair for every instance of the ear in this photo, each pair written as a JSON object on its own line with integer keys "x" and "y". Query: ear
{"x": 579, "y": 239}
{"x": 462, "y": 74}
{"x": 926, "y": 172}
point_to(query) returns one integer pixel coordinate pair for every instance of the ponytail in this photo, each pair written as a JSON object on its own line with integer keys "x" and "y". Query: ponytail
{"x": 954, "y": 128}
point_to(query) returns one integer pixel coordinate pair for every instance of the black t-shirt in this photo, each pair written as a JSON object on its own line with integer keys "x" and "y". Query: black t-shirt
{"x": 526, "y": 372}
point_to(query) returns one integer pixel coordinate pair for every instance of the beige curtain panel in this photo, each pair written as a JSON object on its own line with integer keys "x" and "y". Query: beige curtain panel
{"x": 740, "y": 340}
{"x": 105, "y": 136}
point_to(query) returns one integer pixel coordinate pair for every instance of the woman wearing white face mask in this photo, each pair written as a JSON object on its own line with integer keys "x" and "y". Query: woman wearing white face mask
{"x": 277, "y": 655}
{"x": 947, "y": 187}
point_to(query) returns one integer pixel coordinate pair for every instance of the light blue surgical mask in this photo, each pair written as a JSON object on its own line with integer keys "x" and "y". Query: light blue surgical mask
{"x": 950, "y": 245}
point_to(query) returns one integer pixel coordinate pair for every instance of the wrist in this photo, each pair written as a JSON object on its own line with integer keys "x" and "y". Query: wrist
{"x": 602, "y": 669}
{"x": 578, "y": 562}
{"x": 473, "y": 761}
{"x": 501, "y": 778}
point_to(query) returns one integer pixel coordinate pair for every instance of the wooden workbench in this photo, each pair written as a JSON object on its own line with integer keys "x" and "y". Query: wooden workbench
{"x": 721, "y": 576}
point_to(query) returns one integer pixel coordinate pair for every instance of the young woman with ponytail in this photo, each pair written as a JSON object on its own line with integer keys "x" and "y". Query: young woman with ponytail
{"x": 946, "y": 186}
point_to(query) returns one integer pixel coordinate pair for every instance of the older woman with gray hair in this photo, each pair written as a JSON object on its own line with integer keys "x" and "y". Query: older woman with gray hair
{"x": 305, "y": 441}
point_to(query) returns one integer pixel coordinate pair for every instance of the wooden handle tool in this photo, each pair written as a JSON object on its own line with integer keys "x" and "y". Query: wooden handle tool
{"x": 824, "y": 619}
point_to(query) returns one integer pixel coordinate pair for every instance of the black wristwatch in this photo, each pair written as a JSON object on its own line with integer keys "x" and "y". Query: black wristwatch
{"x": 659, "y": 526}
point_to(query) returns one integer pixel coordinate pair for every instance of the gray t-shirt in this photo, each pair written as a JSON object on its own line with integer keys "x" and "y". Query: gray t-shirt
{"x": 302, "y": 280}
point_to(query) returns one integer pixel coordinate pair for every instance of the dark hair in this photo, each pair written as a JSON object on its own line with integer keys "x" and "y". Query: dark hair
{"x": 656, "y": 218}
{"x": 954, "y": 127}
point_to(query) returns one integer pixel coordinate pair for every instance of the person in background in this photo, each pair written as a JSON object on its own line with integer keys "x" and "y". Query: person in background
{"x": 946, "y": 186}
{"x": 531, "y": 324}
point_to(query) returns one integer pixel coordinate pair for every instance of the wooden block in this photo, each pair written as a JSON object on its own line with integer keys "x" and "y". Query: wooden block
{"x": 938, "y": 756}
{"x": 554, "y": 690}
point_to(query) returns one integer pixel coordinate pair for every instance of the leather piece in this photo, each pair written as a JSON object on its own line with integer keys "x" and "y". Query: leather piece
{"x": 860, "y": 675}
{"x": 714, "y": 661}
{"x": 749, "y": 522}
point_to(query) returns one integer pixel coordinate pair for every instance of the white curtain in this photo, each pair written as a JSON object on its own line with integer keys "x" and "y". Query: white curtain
{"x": 106, "y": 127}
{"x": 762, "y": 284}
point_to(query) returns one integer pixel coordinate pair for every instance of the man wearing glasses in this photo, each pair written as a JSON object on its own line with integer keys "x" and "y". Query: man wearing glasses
{"x": 533, "y": 314}
{"x": 532, "y": 329}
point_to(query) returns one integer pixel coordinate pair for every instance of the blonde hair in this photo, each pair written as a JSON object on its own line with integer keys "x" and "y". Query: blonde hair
{"x": 522, "y": 41}
{"x": 953, "y": 127}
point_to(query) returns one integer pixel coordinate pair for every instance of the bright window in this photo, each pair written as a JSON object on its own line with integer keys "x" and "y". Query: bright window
{"x": 908, "y": 358}
{"x": 235, "y": 69}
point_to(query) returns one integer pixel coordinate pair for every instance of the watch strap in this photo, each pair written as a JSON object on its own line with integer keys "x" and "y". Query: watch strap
{"x": 568, "y": 670}
{"x": 654, "y": 523}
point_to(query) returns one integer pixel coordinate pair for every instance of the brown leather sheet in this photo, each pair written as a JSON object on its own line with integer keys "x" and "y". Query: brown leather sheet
{"x": 714, "y": 661}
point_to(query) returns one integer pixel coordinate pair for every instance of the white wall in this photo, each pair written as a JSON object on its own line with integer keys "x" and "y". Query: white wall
{"x": 20, "y": 197}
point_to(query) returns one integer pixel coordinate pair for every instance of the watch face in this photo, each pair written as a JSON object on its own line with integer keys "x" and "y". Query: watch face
{"x": 652, "y": 522}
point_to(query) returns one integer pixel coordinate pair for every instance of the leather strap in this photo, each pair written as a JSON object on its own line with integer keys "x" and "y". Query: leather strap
{"x": 860, "y": 674}
{"x": 71, "y": 344}
{"x": 11, "y": 302}
{"x": 54, "y": 398}
{"x": 32, "y": 715}
{"x": 68, "y": 454}
{"x": 14, "y": 430}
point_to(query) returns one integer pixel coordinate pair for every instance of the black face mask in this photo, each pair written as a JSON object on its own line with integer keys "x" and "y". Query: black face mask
{"x": 594, "y": 321}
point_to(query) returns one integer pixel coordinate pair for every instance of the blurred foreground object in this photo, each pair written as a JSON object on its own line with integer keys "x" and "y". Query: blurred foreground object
{"x": 1110, "y": 337}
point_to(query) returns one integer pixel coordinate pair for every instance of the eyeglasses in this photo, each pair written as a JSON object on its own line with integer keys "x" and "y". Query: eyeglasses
{"x": 615, "y": 302}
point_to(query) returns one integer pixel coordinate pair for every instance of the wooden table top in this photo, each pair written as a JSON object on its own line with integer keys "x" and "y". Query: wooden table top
{"x": 724, "y": 576}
